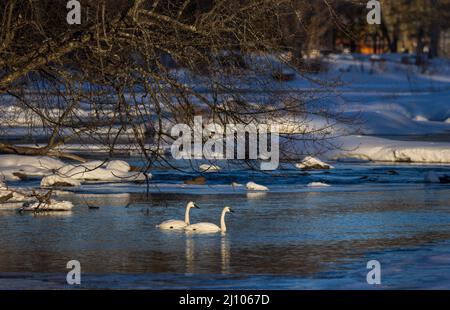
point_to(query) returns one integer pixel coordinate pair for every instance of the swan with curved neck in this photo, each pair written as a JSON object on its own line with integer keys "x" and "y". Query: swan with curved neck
{"x": 178, "y": 224}
{"x": 210, "y": 227}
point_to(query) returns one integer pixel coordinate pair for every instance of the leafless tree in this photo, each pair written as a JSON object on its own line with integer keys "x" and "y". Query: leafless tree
{"x": 132, "y": 69}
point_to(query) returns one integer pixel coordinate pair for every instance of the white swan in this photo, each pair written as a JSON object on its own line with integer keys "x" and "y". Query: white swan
{"x": 178, "y": 224}
{"x": 210, "y": 227}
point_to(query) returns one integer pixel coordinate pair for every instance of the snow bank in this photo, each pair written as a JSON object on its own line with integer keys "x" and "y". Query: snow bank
{"x": 378, "y": 149}
{"x": 12, "y": 196}
{"x": 55, "y": 172}
{"x": 310, "y": 162}
{"x": 56, "y": 180}
{"x": 10, "y": 206}
{"x": 252, "y": 186}
{"x": 52, "y": 206}
{"x": 18, "y": 167}
{"x": 397, "y": 99}
{"x": 8, "y": 195}
{"x": 21, "y": 200}
{"x": 97, "y": 171}
{"x": 22, "y": 172}
{"x": 43, "y": 162}
{"x": 119, "y": 165}
{"x": 5, "y": 196}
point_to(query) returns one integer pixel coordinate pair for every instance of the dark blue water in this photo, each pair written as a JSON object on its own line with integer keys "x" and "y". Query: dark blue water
{"x": 292, "y": 237}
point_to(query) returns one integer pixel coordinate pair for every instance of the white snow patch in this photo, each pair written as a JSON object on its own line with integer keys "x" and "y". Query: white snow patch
{"x": 93, "y": 171}
{"x": 19, "y": 172}
{"x": 310, "y": 162}
{"x": 115, "y": 171}
{"x": 57, "y": 180}
{"x": 9, "y": 206}
{"x": 54, "y": 205}
{"x": 317, "y": 184}
{"x": 379, "y": 149}
{"x": 119, "y": 165}
{"x": 420, "y": 118}
{"x": 15, "y": 196}
{"x": 252, "y": 186}
{"x": 43, "y": 162}
{"x": 209, "y": 168}
{"x": 15, "y": 167}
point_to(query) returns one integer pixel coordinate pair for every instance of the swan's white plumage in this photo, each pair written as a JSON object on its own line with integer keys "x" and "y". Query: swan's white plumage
{"x": 178, "y": 224}
{"x": 205, "y": 228}
{"x": 172, "y": 224}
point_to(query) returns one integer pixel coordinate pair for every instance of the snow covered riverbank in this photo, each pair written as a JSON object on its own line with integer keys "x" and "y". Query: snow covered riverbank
{"x": 52, "y": 173}
{"x": 385, "y": 150}
{"x": 17, "y": 167}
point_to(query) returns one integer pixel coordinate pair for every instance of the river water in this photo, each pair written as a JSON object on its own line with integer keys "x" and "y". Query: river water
{"x": 292, "y": 237}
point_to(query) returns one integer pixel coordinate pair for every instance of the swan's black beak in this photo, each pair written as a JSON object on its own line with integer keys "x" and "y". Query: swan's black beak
{"x": 231, "y": 210}
{"x": 196, "y": 206}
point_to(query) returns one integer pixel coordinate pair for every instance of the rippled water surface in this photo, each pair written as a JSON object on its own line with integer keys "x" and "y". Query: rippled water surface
{"x": 289, "y": 238}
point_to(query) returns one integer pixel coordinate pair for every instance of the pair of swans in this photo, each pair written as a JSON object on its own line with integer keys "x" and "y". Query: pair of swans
{"x": 195, "y": 228}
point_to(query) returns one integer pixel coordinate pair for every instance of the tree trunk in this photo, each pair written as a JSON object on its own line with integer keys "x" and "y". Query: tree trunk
{"x": 435, "y": 30}
{"x": 419, "y": 48}
{"x": 374, "y": 43}
{"x": 435, "y": 35}
{"x": 386, "y": 36}
{"x": 395, "y": 37}
{"x": 7, "y": 148}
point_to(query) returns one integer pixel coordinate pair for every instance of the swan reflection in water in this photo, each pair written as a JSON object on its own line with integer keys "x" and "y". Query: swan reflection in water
{"x": 256, "y": 195}
{"x": 190, "y": 248}
{"x": 224, "y": 255}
